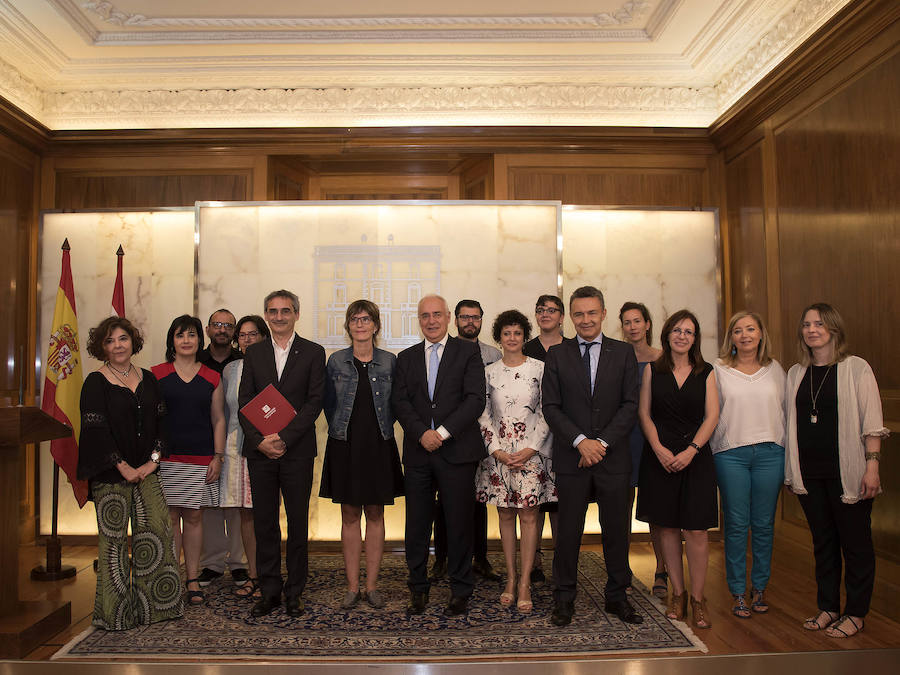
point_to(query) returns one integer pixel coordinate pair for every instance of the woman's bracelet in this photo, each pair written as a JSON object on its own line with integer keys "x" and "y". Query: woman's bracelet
{"x": 873, "y": 455}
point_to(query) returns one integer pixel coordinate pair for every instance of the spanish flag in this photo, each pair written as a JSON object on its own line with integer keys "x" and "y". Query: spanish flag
{"x": 63, "y": 380}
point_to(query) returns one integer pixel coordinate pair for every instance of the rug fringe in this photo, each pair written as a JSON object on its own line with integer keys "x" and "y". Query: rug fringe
{"x": 71, "y": 643}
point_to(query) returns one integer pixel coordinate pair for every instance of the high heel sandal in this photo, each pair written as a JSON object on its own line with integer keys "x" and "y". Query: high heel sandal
{"x": 506, "y": 599}
{"x": 193, "y": 597}
{"x": 699, "y": 613}
{"x": 525, "y": 606}
{"x": 677, "y": 606}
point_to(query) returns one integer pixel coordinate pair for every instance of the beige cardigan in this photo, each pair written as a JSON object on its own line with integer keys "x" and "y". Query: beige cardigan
{"x": 859, "y": 415}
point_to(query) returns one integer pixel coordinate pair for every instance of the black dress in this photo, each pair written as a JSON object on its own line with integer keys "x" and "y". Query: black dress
{"x": 685, "y": 499}
{"x": 365, "y": 468}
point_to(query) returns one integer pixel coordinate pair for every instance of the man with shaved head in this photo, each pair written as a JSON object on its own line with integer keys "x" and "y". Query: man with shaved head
{"x": 437, "y": 396}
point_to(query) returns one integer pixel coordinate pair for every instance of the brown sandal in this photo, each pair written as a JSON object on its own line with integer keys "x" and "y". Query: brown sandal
{"x": 700, "y": 614}
{"x": 677, "y": 606}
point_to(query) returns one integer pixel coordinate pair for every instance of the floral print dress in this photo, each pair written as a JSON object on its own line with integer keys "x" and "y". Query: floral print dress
{"x": 512, "y": 420}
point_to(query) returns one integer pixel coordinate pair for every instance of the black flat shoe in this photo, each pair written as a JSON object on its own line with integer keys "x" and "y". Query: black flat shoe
{"x": 457, "y": 605}
{"x": 294, "y": 606}
{"x": 265, "y": 606}
{"x": 623, "y": 610}
{"x": 562, "y": 613}
{"x": 417, "y": 603}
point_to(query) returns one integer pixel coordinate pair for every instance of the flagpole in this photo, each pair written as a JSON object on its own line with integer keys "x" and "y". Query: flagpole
{"x": 54, "y": 570}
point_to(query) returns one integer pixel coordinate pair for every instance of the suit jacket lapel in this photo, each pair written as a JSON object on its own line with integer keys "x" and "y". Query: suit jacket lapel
{"x": 602, "y": 365}
{"x": 268, "y": 360}
{"x": 418, "y": 373}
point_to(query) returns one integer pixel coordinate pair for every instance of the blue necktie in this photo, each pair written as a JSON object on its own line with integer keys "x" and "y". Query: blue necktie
{"x": 433, "y": 365}
{"x": 587, "y": 362}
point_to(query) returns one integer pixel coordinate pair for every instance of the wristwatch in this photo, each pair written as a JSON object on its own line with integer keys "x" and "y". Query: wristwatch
{"x": 155, "y": 456}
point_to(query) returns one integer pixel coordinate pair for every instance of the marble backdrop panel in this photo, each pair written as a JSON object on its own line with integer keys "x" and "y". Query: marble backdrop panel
{"x": 665, "y": 259}
{"x": 159, "y": 285}
{"x": 393, "y": 254}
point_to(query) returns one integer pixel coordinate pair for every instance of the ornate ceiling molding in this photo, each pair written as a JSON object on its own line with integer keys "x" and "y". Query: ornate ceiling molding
{"x": 21, "y": 92}
{"x": 389, "y": 106}
{"x": 789, "y": 31}
{"x": 602, "y": 26}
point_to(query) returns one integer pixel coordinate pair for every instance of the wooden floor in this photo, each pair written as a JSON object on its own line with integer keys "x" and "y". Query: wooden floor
{"x": 791, "y": 595}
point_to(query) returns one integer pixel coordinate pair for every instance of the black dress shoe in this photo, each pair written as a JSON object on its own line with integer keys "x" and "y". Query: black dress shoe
{"x": 562, "y": 613}
{"x": 294, "y": 606}
{"x": 265, "y": 606}
{"x": 484, "y": 569}
{"x": 438, "y": 570}
{"x": 623, "y": 610}
{"x": 417, "y": 603}
{"x": 457, "y": 605}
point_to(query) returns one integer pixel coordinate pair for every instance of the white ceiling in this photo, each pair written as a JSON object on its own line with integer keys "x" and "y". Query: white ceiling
{"x": 97, "y": 64}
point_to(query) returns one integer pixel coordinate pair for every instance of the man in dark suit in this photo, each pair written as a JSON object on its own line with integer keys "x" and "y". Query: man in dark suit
{"x": 437, "y": 396}
{"x": 590, "y": 398}
{"x": 282, "y": 462}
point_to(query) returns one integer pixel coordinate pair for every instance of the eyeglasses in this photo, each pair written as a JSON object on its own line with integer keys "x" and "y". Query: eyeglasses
{"x": 361, "y": 320}
{"x": 687, "y": 332}
{"x": 249, "y": 335}
{"x": 468, "y": 318}
{"x": 546, "y": 310}
{"x": 222, "y": 324}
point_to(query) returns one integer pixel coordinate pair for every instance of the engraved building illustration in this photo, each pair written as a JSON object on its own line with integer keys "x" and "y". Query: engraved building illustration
{"x": 393, "y": 277}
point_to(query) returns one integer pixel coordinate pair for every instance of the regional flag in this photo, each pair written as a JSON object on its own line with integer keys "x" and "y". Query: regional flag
{"x": 63, "y": 380}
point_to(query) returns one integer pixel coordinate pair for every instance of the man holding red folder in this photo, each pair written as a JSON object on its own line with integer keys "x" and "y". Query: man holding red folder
{"x": 282, "y": 461}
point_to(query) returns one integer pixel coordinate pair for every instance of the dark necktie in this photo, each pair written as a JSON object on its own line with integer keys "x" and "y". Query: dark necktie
{"x": 587, "y": 362}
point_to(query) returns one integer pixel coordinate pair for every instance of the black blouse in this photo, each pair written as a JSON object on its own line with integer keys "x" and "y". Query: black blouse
{"x": 117, "y": 425}
{"x": 818, "y": 441}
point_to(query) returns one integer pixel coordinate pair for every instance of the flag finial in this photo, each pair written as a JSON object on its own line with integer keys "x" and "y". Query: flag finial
{"x": 121, "y": 250}
{"x": 65, "y": 246}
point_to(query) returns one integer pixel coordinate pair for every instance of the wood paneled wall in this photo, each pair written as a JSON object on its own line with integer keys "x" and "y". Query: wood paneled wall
{"x": 812, "y": 211}
{"x": 19, "y": 178}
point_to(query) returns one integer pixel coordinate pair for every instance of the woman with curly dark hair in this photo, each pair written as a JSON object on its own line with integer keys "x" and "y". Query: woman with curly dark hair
{"x": 516, "y": 475}
{"x": 120, "y": 447}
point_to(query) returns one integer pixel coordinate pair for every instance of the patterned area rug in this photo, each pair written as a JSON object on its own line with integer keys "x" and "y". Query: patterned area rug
{"x": 223, "y": 628}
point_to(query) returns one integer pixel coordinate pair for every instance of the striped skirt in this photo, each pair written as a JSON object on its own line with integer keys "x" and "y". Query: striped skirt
{"x": 183, "y": 480}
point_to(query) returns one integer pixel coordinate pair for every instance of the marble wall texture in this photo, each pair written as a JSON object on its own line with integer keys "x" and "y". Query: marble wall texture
{"x": 503, "y": 254}
{"x": 158, "y": 274}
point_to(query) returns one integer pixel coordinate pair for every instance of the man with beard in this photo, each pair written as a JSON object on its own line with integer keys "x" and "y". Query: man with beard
{"x": 221, "y": 527}
{"x": 469, "y": 315}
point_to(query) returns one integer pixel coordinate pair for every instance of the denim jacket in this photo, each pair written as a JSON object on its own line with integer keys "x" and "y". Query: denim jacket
{"x": 340, "y": 391}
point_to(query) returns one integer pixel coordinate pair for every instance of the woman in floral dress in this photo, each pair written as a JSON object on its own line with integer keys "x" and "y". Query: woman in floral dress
{"x": 516, "y": 475}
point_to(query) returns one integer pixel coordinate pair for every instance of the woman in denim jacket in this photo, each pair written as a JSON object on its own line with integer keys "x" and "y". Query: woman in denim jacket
{"x": 362, "y": 470}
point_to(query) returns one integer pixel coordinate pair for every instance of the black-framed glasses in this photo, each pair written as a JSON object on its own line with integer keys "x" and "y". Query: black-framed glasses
{"x": 364, "y": 320}
{"x": 546, "y": 310}
{"x": 468, "y": 318}
{"x": 248, "y": 335}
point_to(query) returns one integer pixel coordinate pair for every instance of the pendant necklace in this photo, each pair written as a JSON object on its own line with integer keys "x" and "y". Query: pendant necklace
{"x": 121, "y": 375}
{"x": 814, "y": 414}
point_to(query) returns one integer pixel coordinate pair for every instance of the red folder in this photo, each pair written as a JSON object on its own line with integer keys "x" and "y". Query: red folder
{"x": 269, "y": 411}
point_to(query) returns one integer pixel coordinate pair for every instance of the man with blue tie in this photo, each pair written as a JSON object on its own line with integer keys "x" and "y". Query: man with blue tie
{"x": 590, "y": 398}
{"x": 438, "y": 394}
